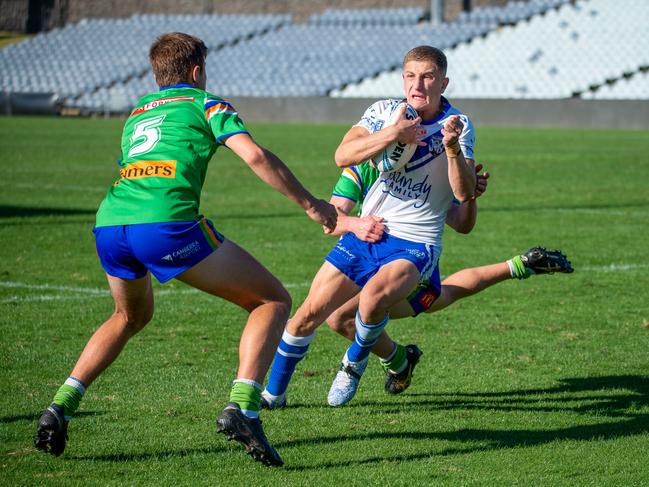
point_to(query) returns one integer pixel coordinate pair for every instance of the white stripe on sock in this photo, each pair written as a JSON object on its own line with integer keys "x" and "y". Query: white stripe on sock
{"x": 251, "y": 382}
{"x": 297, "y": 341}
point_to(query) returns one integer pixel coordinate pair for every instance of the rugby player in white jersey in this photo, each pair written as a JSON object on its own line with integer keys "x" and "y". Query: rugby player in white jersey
{"x": 398, "y": 361}
{"x": 413, "y": 203}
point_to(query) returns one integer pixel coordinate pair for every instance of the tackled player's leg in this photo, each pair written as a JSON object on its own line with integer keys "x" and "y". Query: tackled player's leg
{"x": 390, "y": 285}
{"x": 329, "y": 290}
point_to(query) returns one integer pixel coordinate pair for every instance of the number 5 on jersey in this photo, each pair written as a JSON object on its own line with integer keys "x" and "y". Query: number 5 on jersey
{"x": 146, "y": 134}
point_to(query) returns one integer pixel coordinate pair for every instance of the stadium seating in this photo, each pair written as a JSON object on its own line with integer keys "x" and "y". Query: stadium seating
{"x": 570, "y": 51}
{"x": 368, "y": 16}
{"x": 90, "y": 56}
{"x": 595, "y": 49}
{"x": 635, "y": 87}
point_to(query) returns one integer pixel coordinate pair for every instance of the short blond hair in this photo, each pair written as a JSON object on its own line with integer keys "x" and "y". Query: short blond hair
{"x": 427, "y": 53}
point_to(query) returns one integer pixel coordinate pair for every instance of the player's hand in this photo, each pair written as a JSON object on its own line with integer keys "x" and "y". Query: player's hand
{"x": 369, "y": 228}
{"x": 323, "y": 213}
{"x": 409, "y": 131}
{"x": 481, "y": 181}
{"x": 451, "y": 131}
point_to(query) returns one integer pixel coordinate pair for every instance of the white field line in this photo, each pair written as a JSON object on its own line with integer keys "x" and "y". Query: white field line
{"x": 613, "y": 267}
{"x": 63, "y": 293}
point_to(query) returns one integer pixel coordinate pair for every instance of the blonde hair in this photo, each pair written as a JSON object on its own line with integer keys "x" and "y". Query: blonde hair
{"x": 427, "y": 53}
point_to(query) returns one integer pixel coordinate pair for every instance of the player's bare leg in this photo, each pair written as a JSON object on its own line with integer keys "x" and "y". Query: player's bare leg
{"x": 133, "y": 310}
{"x": 329, "y": 290}
{"x": 468, "y": 282}
{"x": 233, "y": 274}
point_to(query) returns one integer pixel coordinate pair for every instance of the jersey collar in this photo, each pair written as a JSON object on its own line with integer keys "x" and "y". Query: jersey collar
{"x": 445, "y": 106}
{"x": 179, "y": 85}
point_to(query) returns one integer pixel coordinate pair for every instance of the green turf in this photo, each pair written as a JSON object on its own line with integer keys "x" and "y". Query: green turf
{"x": 539, "y": 382}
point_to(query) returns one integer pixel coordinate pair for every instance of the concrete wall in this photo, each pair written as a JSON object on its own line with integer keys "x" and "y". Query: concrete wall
{"x": 630, "y": 114}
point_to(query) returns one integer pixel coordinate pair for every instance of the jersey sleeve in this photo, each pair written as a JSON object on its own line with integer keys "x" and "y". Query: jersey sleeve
{"x": 467, "y": 137}
{"x": 223, "y": 119}
{"x": 375, "y": 116}
{"x": 349, "y": 185}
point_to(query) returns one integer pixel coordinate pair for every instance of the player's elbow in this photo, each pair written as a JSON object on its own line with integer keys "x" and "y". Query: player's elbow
{"x": 255, "y": 156}
{"x": 342, "y": 159}
{"x": 465, "y": 227}
{"x": 464, "y": 195}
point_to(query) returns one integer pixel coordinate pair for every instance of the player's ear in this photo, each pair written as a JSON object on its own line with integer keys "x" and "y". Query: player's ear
{"x": 196, "y": 73}
{"x": 444, "y": 84}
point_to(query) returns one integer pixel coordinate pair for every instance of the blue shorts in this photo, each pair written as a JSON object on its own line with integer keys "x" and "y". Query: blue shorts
{"x": 426, "y": 293}
{"x": 360, "y": 260}
{"x": 165, "y": 249}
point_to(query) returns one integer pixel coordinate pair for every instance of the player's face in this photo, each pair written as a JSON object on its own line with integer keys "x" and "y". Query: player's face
{"x": 423, "y": 85}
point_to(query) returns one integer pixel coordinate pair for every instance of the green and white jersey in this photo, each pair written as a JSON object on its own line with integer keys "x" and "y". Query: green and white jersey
{"x": 167, "y": 143}
{"x": 355, "y": 181}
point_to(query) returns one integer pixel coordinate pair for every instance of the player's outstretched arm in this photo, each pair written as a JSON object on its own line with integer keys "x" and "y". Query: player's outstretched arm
{"x": 270, "y": 169}
{"x": 358, "y": 145}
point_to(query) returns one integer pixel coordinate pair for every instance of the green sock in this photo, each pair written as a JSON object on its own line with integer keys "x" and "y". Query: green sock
{"x": 247, "y": 394}
{"x": 397, "y": 361}
{"x": 518, "y": 269}
{"x": 69, "y": 396}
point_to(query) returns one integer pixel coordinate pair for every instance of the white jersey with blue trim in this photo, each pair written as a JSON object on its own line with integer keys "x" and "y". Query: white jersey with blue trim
{"x": 413, "y": 200}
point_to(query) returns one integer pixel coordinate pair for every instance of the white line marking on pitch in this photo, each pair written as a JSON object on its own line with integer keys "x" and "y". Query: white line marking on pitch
{"x": 88, "y": 292}
{"x": 91, "y": 292}
{"x": 613, "y": 267}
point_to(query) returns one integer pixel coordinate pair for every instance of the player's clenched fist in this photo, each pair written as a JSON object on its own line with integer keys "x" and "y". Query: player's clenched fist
{"x": 323, "y": 213}
{"x": 452, "y": 130}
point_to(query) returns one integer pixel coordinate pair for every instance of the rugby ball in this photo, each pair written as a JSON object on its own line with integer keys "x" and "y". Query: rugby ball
{"x": 397, "y": 154}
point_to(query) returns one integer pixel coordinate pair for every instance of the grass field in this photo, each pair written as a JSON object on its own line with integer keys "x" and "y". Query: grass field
{"x": 539, "y": 382}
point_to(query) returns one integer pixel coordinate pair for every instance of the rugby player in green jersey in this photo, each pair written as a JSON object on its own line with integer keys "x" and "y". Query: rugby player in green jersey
{"x": 149, "y": 223}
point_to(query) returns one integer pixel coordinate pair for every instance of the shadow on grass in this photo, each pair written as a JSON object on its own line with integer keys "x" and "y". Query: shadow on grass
{"x": 11, "y": 211}
{"x": 146, "y": 456}
{"x": 34, "y": 417}
{"x": 633, "y": 395}
{"x": 621, "y": 405}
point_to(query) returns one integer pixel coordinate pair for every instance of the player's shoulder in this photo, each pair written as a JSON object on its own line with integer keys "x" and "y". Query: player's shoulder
{"x": 385, "y": 105}
{"x": 377, "y": 114}
{"x": 212, "y": 97}
{"x": 451, "y": 110}
{"x": 214, "y": 105}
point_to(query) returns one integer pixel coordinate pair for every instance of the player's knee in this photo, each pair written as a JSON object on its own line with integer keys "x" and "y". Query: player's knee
{"x": 341, "y": 324}
{"x": 283, "y": 305}
{"x": 375, "y": 302}
{"x": 133, "y": 321}
{"x": 306, "y": 320}
{"x": 278, "y": 298}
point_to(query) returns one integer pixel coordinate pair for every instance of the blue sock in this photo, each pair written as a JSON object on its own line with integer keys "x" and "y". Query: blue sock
{"x": 290, "y": 351}
{"x": 367, "y": 335}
